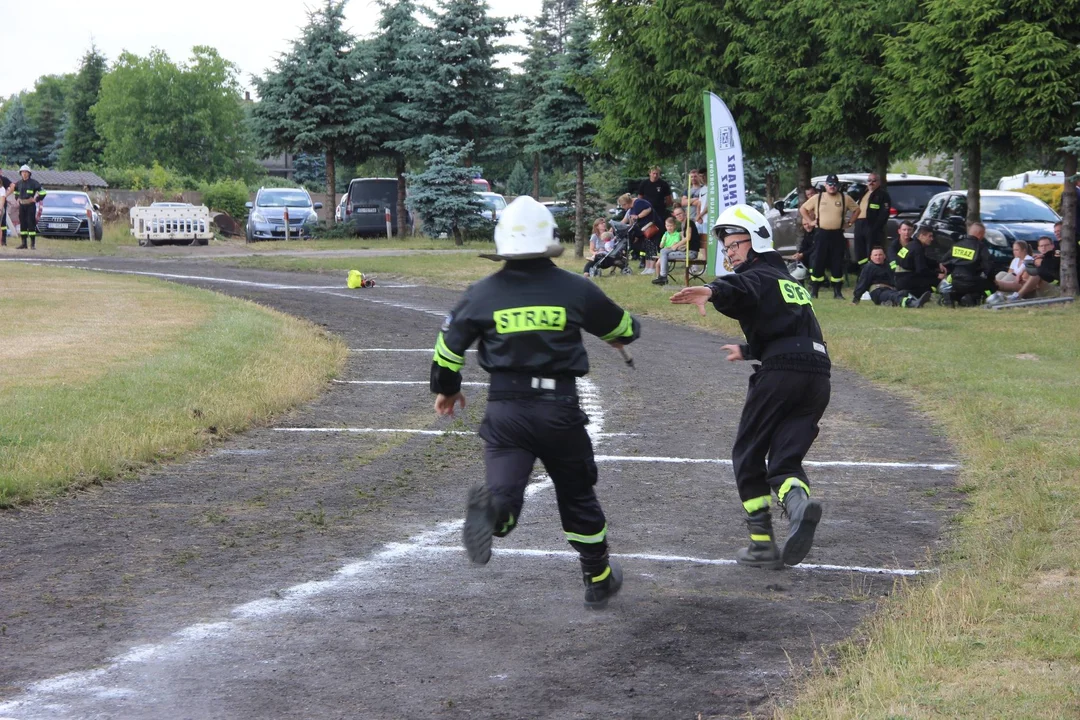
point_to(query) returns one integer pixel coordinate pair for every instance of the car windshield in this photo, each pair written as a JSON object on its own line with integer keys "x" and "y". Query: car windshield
{"x": 913, "y": 197}
{"x": 493, "y": 202}
{"x": 281, "y": 199}
{"x": 1015, "y": 208}
{"x": 66, "y": 200}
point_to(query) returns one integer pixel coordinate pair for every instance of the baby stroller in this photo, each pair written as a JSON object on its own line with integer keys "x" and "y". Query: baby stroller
{"x": 618, "y": 258}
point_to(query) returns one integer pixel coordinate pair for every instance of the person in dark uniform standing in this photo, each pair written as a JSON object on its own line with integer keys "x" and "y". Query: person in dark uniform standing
{"x": 915, "y": 272}
{"x": 877, "y": 279}
{"x": 789, "y": 390}
{"x": 658, "y": 192}
{"x": 970, "y": 269}
{"x": 830, "y": 211}
{"x": 528, "y": 319}
{"x": 873, "y": 216}
{"x": 29, "y": 193}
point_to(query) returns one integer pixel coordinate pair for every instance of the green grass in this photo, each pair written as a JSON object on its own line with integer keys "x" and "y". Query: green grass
{"x": 994, "y": 635}
{"x": 172, "y": 369}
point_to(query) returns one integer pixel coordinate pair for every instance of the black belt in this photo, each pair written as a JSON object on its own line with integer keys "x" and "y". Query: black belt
{"x": 793, "y": 345}
{"x": 524, "y": 384}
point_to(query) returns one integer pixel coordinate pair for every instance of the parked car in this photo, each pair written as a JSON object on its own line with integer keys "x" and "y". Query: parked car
{"x": 266, "y": 221}
{"x": 494, "y": 204}
{"x": 366, "y": 203}
{"x": 910, "y": 195}
{"x": 556, "y": 207}
{"x": 70, "y": 214}
{"x": 1008, "y": 216}
{"x": 339, "y": 211}
{"x": 1031, "y": 177}
{"x": 482, "y": 185}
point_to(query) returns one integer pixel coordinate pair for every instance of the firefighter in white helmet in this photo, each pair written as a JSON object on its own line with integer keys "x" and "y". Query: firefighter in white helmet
{"x": 789, "y": 390}
{"x": 527, "y": 320}
{"x": 29, "y": 193}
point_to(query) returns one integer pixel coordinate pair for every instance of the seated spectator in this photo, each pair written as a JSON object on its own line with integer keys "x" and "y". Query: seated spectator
{"x": 606, "y": 246}
{"x": 806, "y": 244}
{"x": 877, "y": 279}
{"x": 1044, "y": 273}
{"x": 903, "y": 236}
{"x": 677, "y": 250}
{"x": 596, "y": 241}
{"x": 916, "y": 273}
{"x": 1012, "y": 280}
{"x": 638, "y": 214}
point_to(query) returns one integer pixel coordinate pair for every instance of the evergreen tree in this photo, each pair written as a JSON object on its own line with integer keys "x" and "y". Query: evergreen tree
{"x": 442, "y": 195}
{"x": 518, "y": 183}
{"x": 309, "y": 169}
{"x": 562, "y": 123}
{"x": 466, "y": 42}
{"x": 45, "y": 112}
{"x": 18, "y": 139}
{"x": 311, "y": 101}
{"x": 82, "y": 145}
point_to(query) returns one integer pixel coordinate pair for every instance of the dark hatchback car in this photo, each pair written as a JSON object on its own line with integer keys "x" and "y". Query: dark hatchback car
{"x": 367, "y": 201}
{"x": 1008, "y": 217}
{"x": 69, "y": 214}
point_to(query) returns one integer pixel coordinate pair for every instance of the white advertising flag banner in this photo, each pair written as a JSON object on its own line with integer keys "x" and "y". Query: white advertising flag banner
{"x": 725, "y": 164}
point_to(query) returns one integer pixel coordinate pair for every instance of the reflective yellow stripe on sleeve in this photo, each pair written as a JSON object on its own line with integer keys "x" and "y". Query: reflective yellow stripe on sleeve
{"x": 625, "y": 328}
{"x": 445, "y": 357}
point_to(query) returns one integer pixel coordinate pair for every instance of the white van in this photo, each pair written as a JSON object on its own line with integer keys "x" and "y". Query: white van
{"x": 1031, "y": 177}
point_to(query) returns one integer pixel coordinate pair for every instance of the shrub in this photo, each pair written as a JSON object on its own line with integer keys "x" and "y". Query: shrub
{"x": 142, "y": 178}
{"x": 272, "y": 181}
{"x": 227, "y": 195}
{"x": 1049, "y": 194}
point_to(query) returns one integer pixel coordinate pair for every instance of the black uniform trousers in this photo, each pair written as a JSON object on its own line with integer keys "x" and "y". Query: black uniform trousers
{"x": 896, "y": 297}
{"x": 865, "y": 241}
{"x": 552, "y": 428}
{"x": 914, "y": 283}
{"x": 779, "y": 421}
{"x": 978, "y": 286}
{"x": 28, "y": 223}
{"x": 828, "y": 261}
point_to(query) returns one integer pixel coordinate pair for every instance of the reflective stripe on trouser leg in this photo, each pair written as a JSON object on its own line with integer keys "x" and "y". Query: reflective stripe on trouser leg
{"x": 790, "y": 483}
{"x": 759, "y": 503}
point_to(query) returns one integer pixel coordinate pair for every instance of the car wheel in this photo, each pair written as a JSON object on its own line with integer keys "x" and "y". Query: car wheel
{"x": 247, "y": 236}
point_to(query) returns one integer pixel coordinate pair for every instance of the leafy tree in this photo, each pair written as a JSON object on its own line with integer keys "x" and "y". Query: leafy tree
{"x": 311, "y": 101}
{"x": 18, "y": 141}
{"x": 561, "y": 119}
{"x": 985, "y": 74}
{"x": 518, "y": 183}
{"x": 82, "y": 145}
{"x": 186, "y": 117}
{"x": 442, "y": 195}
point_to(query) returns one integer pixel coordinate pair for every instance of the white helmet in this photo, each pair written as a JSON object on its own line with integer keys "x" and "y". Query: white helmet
{"x": 25, "y": 168}
{"x": 526, "y": 229}
{"x": 745, "y": 219}
{"x": 797, "y": 270}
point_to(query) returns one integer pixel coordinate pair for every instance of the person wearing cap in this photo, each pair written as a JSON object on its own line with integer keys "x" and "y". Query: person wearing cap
{"x": 873, "y": 216}
{"x": 833, "y": 211}
{"x": 29, "y": 193}
{"x": 789, "y": 390}
{"x": 877, "y": 279}
{"x": 915, "y": 272}
{"x": 527, "y": 319}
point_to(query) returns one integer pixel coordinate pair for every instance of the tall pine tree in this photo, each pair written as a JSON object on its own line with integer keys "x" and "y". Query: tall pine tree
{"x": 82, "y": 145}
{"x": 310, "y": 102}
{"x": 45, "y": 109}
{"x": 18, "y": 140}
{"x": 442, "y": 195}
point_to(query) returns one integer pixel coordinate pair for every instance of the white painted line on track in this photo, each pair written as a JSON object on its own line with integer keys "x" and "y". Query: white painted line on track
{"x": 46, "y": 260}
{"x": 810, "y": 463}
{"x": 415, "y": 431}
{"x": 321, "y": 289}
{"x": 529, "y": 552}
{"x": 402, "y": 382}
{"x": 430, "y": 350}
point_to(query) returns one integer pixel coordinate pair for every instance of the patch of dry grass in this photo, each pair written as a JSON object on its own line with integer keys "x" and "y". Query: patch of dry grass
{"x": 188, "y": 368}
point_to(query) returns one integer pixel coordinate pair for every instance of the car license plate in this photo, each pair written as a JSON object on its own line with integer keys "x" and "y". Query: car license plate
{"x": 56, "y": 226}
{"x": 367, "y": 210}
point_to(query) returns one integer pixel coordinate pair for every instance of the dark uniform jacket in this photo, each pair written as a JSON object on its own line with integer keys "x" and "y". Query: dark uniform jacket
{"x": 29, "y": 189}
{"x": 873, "y": 275}
{"x": 528, "y": 317}
{"x": 1050, "y": 268}
{"x": 877, "y": 212}
{"x": 772, "y": 308}
{"x": 970, "y": 260}
{"x": 912, "y": 259}
{"x": 893, "y": 252}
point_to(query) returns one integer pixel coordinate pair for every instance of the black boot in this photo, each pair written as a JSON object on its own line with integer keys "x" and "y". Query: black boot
{"x": 804, "y": 515}
{"x": 603, "y": 578}
{"x": 762, "y": 551}
{"x": 480, "y": 516}
{"x": 836, "y": 291}
{"x": 814, "y": 287}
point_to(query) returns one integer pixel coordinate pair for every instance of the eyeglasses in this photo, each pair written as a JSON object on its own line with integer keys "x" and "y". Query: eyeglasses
{"x": 728, "y": 247}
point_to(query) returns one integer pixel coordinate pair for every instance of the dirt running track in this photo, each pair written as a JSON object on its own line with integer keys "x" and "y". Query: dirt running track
{"x": 295, "y": 574}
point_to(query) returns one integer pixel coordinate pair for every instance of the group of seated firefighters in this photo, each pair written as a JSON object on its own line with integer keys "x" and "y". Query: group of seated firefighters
{"x": 900, "y": 274}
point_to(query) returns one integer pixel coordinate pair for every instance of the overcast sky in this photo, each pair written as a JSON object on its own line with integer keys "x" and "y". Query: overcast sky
{"x": 250, "y": 33}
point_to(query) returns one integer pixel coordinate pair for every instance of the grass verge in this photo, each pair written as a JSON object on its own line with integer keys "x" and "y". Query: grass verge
{"x": 104, "y": 374}
{"x": 995, "y": 634}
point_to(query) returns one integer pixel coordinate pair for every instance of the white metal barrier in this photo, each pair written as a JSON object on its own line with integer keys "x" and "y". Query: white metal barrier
{"x": 157, "y": 224}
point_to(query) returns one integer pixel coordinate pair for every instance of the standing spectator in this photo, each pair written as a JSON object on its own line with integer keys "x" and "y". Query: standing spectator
{"x": 916, "y": 273}
{"x": 638, "y": 213}
{"x": 677, "y": 251}
{"x": 970, "y": 268}
{"x": 834, "y": 211}
{"x": 657, "y": 191}
{"x": 873, "y": 215}
{"x": 700, "y": 217}
{"x": 29, "y": 193}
